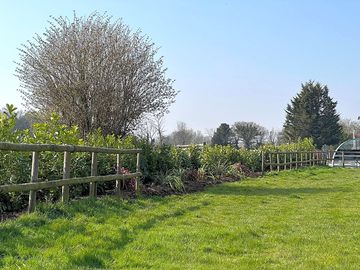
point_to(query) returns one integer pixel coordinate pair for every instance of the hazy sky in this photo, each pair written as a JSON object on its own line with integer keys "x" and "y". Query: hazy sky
{"x": 232, "y": 60}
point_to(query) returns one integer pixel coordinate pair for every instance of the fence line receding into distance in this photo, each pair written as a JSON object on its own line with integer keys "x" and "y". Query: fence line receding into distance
{"x": 271, "y": 161}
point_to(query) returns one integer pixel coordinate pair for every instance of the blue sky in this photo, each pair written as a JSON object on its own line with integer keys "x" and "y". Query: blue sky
{"x": 232, "y": 60}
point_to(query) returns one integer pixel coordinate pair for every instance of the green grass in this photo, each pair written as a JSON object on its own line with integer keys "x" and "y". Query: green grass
{"x": 307, "y": 219}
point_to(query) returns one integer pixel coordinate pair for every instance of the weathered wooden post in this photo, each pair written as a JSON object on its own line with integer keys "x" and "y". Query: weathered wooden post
{"x": 314, "y": 158}
{"x": 330, "y": 158}
{"x": 34, "y": 178}
{"x": 296, "y": 160}
{"x": 278, "y": 161}
{"x": 137, "y": 170}
{"x": 301, "y": 159}
{"x": 343, "y": 158}
{"x": 291, "y": 160}
{"x": 262, "y": 163}
{"x": 118, "y": 171}
{"x": 270, "y": 160}
{"x": 285, "y": 160}
{"x": 66, "y": 175}
{"x": 327, "y": 158}
{"x": 93, "y": 173}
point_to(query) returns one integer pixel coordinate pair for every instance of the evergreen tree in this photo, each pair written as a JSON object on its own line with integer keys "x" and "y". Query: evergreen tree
{"x": 223, "y": 135}
{"x": 312, "y": 113}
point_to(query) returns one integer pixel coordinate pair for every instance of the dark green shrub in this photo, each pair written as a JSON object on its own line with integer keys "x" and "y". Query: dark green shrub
{"x": 195, "y": 156}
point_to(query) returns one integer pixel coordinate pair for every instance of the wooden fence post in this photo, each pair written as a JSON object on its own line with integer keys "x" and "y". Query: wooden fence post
{"x": 296, "y": 160}
{"x": 270, "y": 160}
{"x": 326, "y": 158}
{"x": 314, "y": 158}
{"x": 93, "y": 173}
{"x": 291, "y": 160}
{"x": 321, "y": 161}
{"x": 278, "y": 161}
{"x": 285, "y": 160}
{"x": 301, "y": 159}
{"x": 66, "y": 175}
{"x": 34, "y": 178}
{"x": 137, "y": 170}
{"x": 308, "y": 156}
{"x": 262, "y": 162}
{"x": 343, "y": 158}
{"x": 118, "y": 171}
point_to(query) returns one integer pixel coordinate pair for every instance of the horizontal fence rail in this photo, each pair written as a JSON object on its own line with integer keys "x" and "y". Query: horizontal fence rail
{"x": 186, "y": 146}
{"x": 68, "y": 181}
{"x": 64, "y": 148}
{"x": 93, "y": 179}
{"x": 346, "y": 159}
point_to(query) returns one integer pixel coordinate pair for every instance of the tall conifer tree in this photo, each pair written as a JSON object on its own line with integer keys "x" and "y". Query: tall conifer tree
{"x": 312, "y": 113}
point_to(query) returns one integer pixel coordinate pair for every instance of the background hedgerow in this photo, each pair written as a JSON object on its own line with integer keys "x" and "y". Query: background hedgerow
{"x": 162, "y": 165}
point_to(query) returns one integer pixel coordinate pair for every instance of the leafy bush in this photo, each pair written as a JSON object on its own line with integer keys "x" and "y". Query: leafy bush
{"x": 218, "y": 170}
{"x": 218, "y": 155}
{"x": 181, "y": 158}
{"x": 306, "y": 144}
{"x": 174, "y": 179}
{"x": 250, "y": 158}
{"x": 235, "y": 172}
{"x": 195, "y": 156}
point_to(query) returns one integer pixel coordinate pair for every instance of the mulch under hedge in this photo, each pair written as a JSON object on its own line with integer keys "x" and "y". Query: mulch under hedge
{"x": 151, "y": 189}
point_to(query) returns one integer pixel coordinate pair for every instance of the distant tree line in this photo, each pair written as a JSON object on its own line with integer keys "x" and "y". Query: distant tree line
{"x": 245, "y": 134}
{"x": 311, "y": 113}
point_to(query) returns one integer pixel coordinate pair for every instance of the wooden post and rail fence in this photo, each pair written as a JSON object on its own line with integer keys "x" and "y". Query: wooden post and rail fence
{"x": 93, "y": 179}
{"x": 276, "y": 161}
{"x": 270, "y": 161}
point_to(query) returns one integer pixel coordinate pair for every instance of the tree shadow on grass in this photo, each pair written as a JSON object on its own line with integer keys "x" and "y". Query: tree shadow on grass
{"x": 58, "y": 220}
{"x": 268, "y": 191}
{"x": 124, "y": 237}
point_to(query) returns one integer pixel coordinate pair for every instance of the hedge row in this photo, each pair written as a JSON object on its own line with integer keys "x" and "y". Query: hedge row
{"x": 165, "y": 165}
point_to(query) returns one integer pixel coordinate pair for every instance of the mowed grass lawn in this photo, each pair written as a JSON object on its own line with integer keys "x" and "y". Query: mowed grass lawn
{"x": 306, "y": 219}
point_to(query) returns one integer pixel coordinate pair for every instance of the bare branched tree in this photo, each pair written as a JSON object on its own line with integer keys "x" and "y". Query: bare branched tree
{"x": 349, "y": 128}
{"x": 273, "y": 137}
{"x": 184, "y": 136}
{"x": 95, "y": 73}
{"x": 159, "y": 126}
{"x": 151, "y": 129}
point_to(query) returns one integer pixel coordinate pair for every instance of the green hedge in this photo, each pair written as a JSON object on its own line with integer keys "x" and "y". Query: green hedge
{"x": 157, "y": 164}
